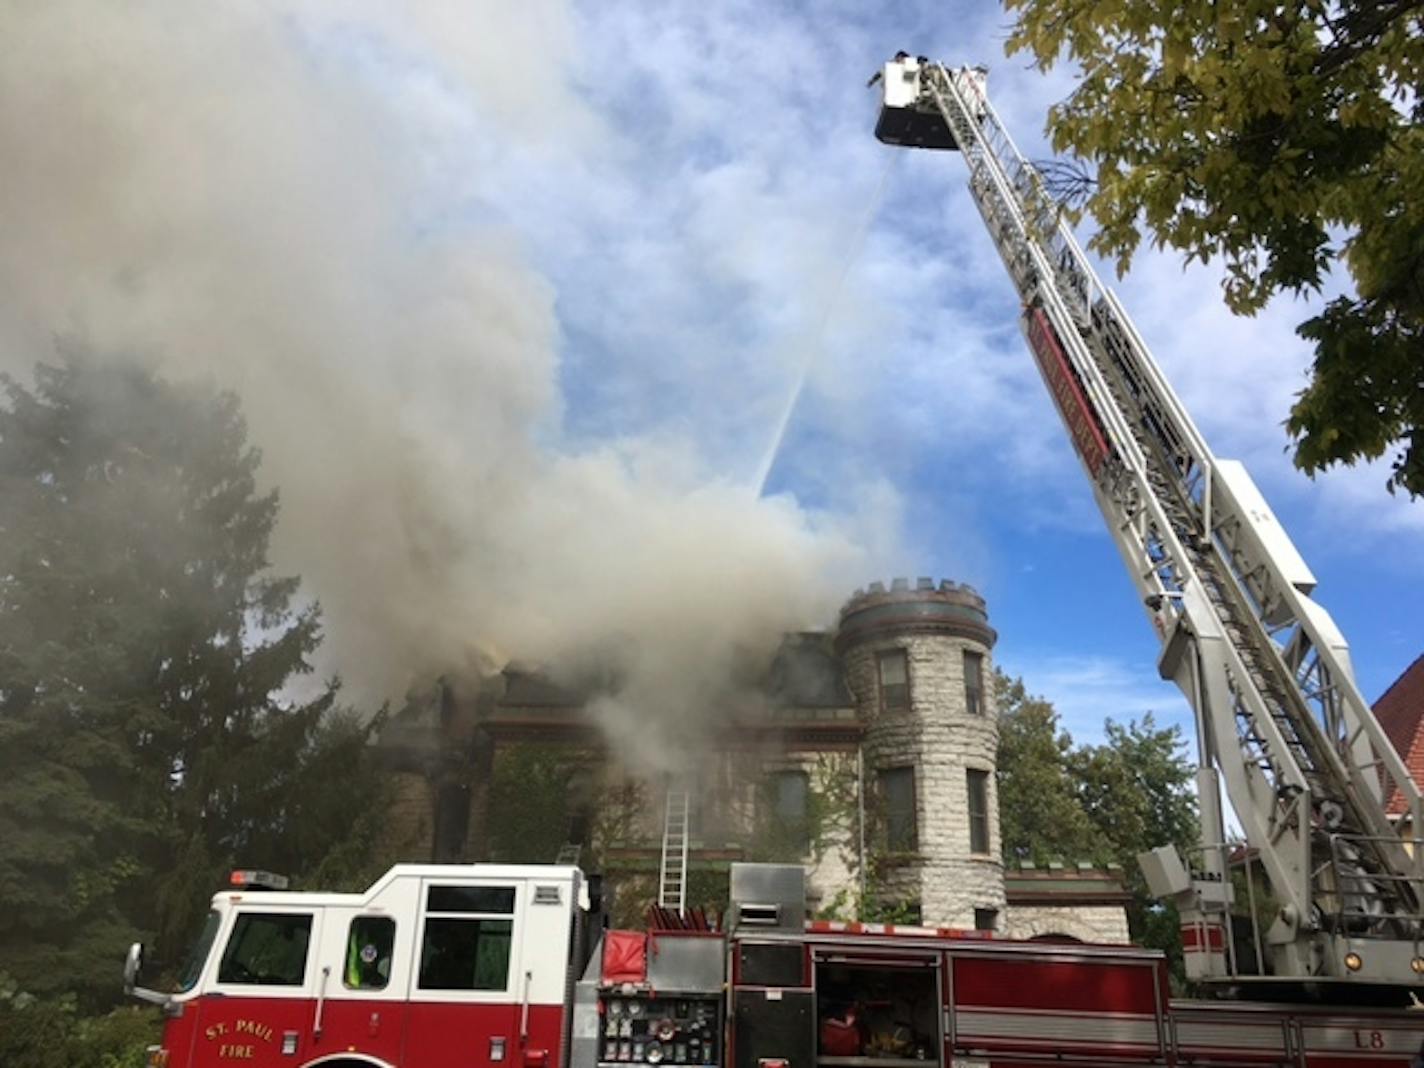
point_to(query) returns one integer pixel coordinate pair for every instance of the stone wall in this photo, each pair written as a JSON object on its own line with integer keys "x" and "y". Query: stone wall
{"x": 938, "y": 737}
{"x": 954, "y": 880}
{"x": 1086, "y": 923}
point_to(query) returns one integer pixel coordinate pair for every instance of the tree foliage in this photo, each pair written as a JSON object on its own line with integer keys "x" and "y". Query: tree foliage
{"x": 1104, "y": 803}
{"x": 1041, "y": 816}
{"x": 1136, "y": 790}
{"x": 52, "y": 1033}
{"x": 1279, "y": 139}
{"x": 147, "y": 736}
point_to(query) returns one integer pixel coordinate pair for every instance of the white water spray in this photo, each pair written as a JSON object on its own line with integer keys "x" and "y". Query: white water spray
{"x": 815, "y": 341}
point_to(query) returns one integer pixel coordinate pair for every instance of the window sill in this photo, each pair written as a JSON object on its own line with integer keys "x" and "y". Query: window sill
{"x": 900, "y": 858}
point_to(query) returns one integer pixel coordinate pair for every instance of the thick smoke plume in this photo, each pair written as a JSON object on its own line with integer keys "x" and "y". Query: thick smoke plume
{"x": 236, "y": 191}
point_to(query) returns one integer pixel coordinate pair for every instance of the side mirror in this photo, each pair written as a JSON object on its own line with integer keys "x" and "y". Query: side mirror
{"x": 133, "y": 964}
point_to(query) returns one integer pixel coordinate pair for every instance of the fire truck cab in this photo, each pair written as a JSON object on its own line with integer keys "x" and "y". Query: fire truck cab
{"x": 465, "y": 966}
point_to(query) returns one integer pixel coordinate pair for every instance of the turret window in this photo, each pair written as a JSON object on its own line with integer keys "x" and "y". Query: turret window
{"x": 974, "y": 683}
{"x": 897, "y": 794}
{"x": 894, "y": 680}
{"x": 977, "y": 783}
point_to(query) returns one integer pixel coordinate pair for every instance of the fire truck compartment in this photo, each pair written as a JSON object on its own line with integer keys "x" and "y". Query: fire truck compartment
{"x": 878, "y": 1012}
{"x": 1045, "y": 1003}
{"x": 773, "y": 1028}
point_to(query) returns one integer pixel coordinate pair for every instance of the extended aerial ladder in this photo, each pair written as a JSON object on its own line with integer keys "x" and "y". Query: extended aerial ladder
{"x": 1279, "y": 719}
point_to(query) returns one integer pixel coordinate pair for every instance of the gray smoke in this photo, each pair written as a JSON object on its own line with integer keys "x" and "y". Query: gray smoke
{"x": 235, "y": 191}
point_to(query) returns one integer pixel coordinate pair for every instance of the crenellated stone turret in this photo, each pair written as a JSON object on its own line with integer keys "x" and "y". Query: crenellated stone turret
{"x": 917, "y": 660}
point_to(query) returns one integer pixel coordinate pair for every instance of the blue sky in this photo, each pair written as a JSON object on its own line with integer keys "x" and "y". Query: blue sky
{"x": 516, "y": 297}
{"x": 698, "y": 258}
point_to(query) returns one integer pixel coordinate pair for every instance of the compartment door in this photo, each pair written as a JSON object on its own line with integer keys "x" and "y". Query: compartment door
{"x": 773, "y": 1025}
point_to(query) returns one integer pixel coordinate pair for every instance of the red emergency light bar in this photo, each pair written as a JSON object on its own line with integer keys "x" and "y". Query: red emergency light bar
{"x": 250, "y": 879}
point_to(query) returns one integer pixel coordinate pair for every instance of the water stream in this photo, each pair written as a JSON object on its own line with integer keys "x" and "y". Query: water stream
{"x": 815, "y": 341}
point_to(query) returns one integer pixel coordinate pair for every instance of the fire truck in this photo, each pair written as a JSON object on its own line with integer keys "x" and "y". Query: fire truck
{"x": 490, "y": 966}
{"x": 499, "y": 966}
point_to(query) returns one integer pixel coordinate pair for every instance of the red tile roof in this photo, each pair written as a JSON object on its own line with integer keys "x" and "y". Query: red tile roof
{"x": 1400, "y": 711}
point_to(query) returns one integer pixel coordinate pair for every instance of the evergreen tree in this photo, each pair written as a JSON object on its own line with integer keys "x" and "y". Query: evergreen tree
{"x": 147, "y": 735}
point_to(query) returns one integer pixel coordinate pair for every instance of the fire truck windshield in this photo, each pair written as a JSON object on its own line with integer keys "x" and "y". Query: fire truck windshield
{"x": 198, "y": 954}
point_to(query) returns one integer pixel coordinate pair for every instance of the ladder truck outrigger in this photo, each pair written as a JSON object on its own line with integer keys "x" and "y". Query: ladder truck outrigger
{"x": 1279, "y": 720}
{"x": 512, "y": 966}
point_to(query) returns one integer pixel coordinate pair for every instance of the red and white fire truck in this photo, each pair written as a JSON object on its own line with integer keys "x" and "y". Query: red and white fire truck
{"x": 490, "y": 966}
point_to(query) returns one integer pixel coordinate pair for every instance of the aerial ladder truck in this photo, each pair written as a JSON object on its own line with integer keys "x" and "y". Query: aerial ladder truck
{"x": 510, "y": 966}
{"x": 1280, "y": 722}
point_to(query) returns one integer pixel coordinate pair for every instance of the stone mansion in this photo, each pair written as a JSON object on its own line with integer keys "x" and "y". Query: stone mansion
{"x": 870, "y": 758}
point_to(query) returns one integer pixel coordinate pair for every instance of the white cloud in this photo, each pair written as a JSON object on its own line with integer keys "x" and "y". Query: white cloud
{"x": 1087, "y": 690}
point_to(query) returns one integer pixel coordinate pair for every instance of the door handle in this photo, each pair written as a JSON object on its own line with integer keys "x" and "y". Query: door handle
{"x": 320, "y": 1001}
{"x": 524, "y": 1011}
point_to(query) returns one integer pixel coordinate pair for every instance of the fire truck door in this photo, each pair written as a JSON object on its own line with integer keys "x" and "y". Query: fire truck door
{"x": 467, "y": 986}
{"x": 260, "y": 1007}
{"x": 366, "y": 961}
